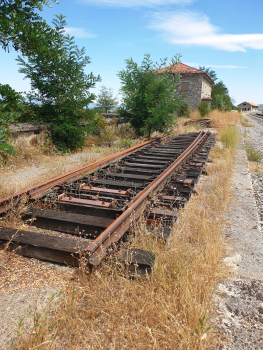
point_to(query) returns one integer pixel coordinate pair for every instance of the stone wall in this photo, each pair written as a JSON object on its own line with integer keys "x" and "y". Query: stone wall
{"x": 32, "y": 134}
{"x": 194, "y": 84}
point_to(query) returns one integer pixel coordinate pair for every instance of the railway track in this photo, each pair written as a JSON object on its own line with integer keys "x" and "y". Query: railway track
{"x": 98, "y": 202}
{"x": 258, "y": 116}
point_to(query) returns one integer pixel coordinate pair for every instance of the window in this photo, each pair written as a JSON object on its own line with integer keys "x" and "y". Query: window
{"x": 184, "y": 87}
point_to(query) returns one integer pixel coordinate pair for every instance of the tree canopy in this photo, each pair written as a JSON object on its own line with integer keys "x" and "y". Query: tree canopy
{"x": 20, "y": 24}
{"x": 148, "y": 97}
{"x": 59, "y": 83}
{"x": 219, "y": 94}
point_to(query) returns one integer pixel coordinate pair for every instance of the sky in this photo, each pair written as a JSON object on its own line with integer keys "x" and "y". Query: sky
{"x": 225, "y": 35}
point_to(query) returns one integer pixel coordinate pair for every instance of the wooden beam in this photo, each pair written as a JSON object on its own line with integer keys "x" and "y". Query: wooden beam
{"x": 68, "y": 222}
{"x": 44, "y": 247}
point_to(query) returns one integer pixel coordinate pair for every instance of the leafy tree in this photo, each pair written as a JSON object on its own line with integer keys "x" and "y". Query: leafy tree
{"x": 12, "y": 100}
{"x": 11, "y": 104}
{"x": 148, "y": 97}
{"x": 5, "y": 119}
{"x": 211, "y": 73}
{"x": 105, "y": 100}
{"x": 219, "y": 94}
{"x": 59, "y": 84}
{"x": 20, "y": 24}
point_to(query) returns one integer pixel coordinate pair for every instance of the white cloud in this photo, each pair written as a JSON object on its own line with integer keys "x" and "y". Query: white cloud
{"x": 136, "y": 3}
{"x": 194, "y": 64}
{"x": 191, "y": 28}
{"x": 79, "y": 32}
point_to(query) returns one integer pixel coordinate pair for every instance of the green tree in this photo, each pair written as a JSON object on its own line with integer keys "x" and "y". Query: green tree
{"x": 11, "y": 106}
{"x": 148, "y": 97}
{"x": 20, "y": 24}
{"x": 12, "y": 100}
{"x": 105, "y": 100}
{"x": 219, "y": 94}
{"x": 60, "y": 85}
{"x": 211, "y": 73}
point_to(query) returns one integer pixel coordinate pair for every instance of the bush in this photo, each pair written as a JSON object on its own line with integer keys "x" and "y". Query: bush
{"x": 253, "y": 154}
{"x": 184, "y": 110}
{"x": 203, "y": 108}
{"x": 125, "y": 143}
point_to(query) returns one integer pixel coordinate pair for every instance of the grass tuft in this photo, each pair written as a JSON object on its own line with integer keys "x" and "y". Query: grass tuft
{"x": 228, "y": 136}
{"x": 253, "y": 154}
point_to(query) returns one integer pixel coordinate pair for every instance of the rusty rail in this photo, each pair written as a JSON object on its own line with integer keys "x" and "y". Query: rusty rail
{"x": 97, "y": 249}
{"x": 97, "y": 202}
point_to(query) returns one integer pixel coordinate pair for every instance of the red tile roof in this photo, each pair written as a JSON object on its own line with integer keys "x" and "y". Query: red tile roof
{"x": 182, "y": 68}
{"x": 206, "y": 98}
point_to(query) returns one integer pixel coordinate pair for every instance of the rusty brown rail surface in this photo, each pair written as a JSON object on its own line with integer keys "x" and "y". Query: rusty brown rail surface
{"x": 98, "y": 202}
{"x": 97, "y": 249}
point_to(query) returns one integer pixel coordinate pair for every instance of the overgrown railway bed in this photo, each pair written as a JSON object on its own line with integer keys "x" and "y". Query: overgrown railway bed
{"x": 98, "y": 202}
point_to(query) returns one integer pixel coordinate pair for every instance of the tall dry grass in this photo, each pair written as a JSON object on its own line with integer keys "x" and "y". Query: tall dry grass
{"x": 106, "y": 310}
{"x": 222, "y": 119}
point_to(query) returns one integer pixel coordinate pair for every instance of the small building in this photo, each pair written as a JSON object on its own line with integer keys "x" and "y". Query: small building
{"x": 195, "y": 84}
{"x": 248, "y": 106}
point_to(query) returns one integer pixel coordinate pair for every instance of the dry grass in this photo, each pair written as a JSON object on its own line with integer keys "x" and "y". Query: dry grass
{"x": 105, "y": 310}
{"x": 12, "y": 182}
{"x": 222, "y": 119}
{"x": 180, "y": 128}
{"x": 195, "y": 114}
{"x": 245, "y": 122}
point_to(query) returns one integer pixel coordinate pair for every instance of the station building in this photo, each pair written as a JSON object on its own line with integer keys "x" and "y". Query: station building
{"x": 248, "y": 106}
{"x": 195, "y": 84}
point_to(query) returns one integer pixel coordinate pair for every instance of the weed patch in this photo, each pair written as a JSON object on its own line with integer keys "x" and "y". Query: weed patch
{"x": 228, "y": 136}
{"x": 253, "y": 154}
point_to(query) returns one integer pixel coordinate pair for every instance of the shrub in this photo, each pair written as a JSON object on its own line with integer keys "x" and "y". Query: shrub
{"x": 184, "y": 110}
{"x": 253, "y": 154}
{"x": 203, "y": 108}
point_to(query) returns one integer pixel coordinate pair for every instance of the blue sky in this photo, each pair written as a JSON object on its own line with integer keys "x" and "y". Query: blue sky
{"x": 225, "y": 35}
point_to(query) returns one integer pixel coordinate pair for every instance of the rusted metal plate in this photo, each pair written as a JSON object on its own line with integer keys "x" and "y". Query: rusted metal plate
{"x": 84, "y": 187}
{"x": 187, "y": 183}
{"x": 95, "y": 203}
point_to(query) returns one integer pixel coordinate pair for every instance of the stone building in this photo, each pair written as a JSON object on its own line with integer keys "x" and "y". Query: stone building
{"x": 248, "y": 106}
{"x": 196, "y": 85}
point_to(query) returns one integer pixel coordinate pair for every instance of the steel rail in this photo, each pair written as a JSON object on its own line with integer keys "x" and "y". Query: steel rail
{"x": 7, "y": 203}
{"x": 96, "y": 250}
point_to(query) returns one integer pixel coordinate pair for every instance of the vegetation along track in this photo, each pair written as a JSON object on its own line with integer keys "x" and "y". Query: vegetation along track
{"x": 98, "y": 202}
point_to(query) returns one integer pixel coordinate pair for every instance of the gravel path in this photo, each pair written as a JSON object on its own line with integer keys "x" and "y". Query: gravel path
{"x": 240, "y": 299}
{"x": 255, "y": 134}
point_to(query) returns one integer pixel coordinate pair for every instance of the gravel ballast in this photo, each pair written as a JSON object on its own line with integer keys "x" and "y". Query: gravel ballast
{"x": 240, "y": 299}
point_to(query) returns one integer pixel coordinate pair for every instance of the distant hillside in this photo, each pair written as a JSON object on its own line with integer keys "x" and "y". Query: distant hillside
{"x": 260, "y": 106}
